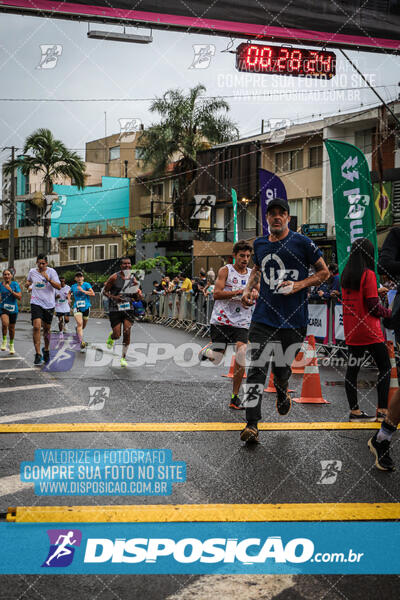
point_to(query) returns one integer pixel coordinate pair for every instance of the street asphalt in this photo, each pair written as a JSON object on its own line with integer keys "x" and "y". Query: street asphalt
{"x": 174, "y": 388}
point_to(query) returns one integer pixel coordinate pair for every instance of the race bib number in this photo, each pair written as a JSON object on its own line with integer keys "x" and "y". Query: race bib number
{"x": 39, "y": 285}
{"x": 9, "y": 307}
{"x": 61, "y": 300}
{"x": 80, "y": 304}
{"x": 124, "y": 306}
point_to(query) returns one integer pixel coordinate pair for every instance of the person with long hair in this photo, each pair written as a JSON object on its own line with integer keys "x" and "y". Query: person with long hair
{"x": 362, "y": 312}
{"x": 10, "y": 292}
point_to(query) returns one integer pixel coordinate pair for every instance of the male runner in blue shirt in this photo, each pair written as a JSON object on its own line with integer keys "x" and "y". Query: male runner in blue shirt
{"x": 281, "y": 261}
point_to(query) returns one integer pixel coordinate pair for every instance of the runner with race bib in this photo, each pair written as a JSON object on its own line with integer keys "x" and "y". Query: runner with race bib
{"x": 10, "y": 292}
{"x": 63, "y": 306}
{"x": 81, "y": 307}
{"x": 122, "y": 289}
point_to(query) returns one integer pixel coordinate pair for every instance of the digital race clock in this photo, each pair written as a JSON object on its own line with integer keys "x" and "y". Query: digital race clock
{"x": 284, "y": 60}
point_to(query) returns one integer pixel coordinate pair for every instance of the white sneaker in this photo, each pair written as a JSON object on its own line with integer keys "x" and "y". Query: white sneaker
{"x": 4, "y": 345}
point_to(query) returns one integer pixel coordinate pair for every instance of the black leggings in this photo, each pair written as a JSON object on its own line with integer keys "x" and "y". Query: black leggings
{"x": 380, "y": 355}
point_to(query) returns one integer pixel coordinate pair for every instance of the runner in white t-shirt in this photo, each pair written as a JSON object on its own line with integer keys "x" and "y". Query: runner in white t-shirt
{"x": 230, "y": 320}
{"x": 63, "y": 305}
{"x": 44, "y": 282}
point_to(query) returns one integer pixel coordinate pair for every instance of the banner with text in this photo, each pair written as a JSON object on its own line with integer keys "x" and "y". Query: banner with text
{"x": 352, "y": 198}
{"x": 271, "y": 186}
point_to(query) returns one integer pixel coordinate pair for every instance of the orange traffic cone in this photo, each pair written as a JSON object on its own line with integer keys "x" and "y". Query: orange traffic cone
{"x": 271, "y": 386}
{"x": 302, "y": 359}
{"x": 394, "y": 382}
{"x": 232, "y": 369}
{"x": 311, "y": 392}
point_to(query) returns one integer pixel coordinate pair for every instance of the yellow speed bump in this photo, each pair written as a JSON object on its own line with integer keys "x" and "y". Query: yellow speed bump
{"x": 175, "y": 427}
{"x": 178, "y": 513}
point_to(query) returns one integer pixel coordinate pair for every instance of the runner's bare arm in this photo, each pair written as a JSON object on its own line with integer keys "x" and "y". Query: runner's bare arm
{"x": 253, "y": 283}
{"x": 321, "y": 274}
{"x": 108, "y": 285}
{"x": 219, "y": 292}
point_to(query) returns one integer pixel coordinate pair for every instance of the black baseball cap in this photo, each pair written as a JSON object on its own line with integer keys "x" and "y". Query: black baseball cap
{"x": 278, "y": 202}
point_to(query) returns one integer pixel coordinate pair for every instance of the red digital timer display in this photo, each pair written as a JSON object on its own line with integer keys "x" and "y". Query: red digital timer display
{"x": 283, "y": 60}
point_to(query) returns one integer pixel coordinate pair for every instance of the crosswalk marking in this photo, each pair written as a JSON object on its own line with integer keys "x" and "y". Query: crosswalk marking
{"x": 34, "y": 386}
{"x": 40, "y": 414}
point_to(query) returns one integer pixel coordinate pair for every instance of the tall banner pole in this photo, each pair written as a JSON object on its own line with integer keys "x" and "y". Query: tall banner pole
{"x": 271, "y": 186}
{"x": 353, "y": 200}
{"x": 235, "y": 217}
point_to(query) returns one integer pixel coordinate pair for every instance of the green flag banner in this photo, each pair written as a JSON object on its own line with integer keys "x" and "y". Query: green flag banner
{"x": 235, "y": 216}
{"x": 353, "y": 199}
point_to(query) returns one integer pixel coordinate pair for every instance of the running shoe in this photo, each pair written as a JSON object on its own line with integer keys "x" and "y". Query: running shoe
{"x": 46, "y": 355}
{"x": 203, "y": 352}
{"x": 236, "y": 403}
{"x": 380, "y": 450}
{"x": 249, "y": 434}
{"x": 65, "y": 329}
{"x": 38, "y": 359}
{"x": 362, "y": 418}
{"x": 110, "y": 342}
{"x": 12, "y": 349}
{"x": 4, "y": 345}
{"x": 123, "y": 362}
{"x": 283, "y": 402}
{"x": 380, "y": 416}
{"x": 83, "y": 346}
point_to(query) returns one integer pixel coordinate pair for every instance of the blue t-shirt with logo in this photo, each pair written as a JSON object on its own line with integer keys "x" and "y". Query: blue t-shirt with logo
{"x": 8, "y": 300}
{"x": 284, "y": 260}
{"x": 80, "y": 297}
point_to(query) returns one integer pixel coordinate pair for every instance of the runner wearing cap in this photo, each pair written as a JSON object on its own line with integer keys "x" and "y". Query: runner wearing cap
{"x": 81, "y": 290}
{"x": 44, "y": 282}
{"x": 281, "y": 262}
{"x": 123, "y": 290}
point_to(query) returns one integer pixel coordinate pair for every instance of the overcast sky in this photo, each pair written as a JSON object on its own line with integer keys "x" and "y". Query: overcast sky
{"x": 98, "y": 69}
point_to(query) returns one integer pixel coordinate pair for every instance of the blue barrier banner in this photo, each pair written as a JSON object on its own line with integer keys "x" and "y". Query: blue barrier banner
{"x": 200, "y": 548}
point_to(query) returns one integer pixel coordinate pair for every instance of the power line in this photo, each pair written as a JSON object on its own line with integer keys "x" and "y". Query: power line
{"x": 261, "y": 95}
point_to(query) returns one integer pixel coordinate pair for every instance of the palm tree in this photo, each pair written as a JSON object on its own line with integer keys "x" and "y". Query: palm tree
{"x": 42, "y": 153}
{"x": 189, "y": 123}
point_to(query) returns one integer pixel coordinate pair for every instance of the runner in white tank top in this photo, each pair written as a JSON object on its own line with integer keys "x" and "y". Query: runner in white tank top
{"x": 230, "y": 320}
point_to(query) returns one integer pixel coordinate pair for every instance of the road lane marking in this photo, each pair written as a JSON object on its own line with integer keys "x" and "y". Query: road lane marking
{"x": 39, "y": 414}
{"x": 35, "y": 386}
{"x": 12, "y": 358}
{"x": 178, "y": 427}
{"x": 13, "y": 484}
{"x": 178, "y": 513}
{"x": 17, "y": 370}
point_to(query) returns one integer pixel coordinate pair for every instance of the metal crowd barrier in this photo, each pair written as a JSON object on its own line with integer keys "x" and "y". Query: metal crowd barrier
{"x": 183, "y": 311}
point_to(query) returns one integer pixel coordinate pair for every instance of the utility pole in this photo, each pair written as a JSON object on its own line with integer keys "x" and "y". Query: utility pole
{"x": 11, "y": 221}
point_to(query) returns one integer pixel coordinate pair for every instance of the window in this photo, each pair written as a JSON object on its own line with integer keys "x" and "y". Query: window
{"x": 157, "y": 190}
{"x": 229, "y": 224}
{"x": 296, "y": 209}
{"x": 73, "y": 253}
{"x": 314, "y": 210}
{"x": 139, "y": 153}
{"x": 114, "y": 153}
{"x": 363, "y": 140}
{"x": 113, "y": 251}
{"x": 99, "y": 253}
{"x": 292, "y": 160}
{"x": 315, "y": 156}
{"x": 250, "y": 217}
{"x": 86, "y": 253}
